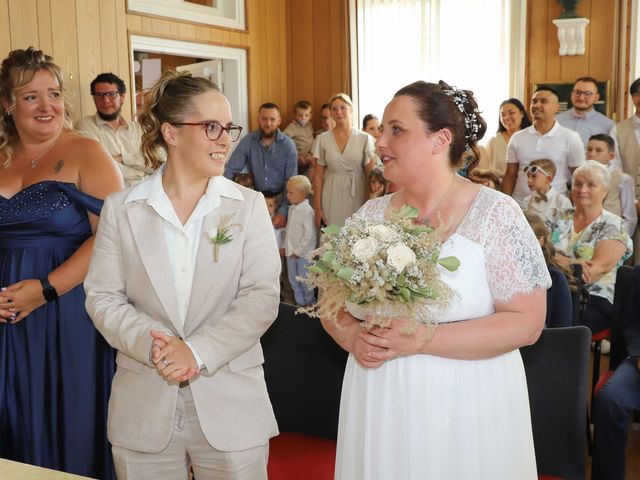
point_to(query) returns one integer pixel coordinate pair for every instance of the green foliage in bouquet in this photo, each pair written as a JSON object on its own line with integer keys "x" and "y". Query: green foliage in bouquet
{"x": 390, "y": 266}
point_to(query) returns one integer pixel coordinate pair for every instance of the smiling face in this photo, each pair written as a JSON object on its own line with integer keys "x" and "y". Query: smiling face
{"x": 189, "y": 145}
{"x": 544, "y": 106}
{"x": 587, "y": 191}
{"x": 38, "y": 112}
{"x": 405, "y": 147}
{"x": 511, "y": 117}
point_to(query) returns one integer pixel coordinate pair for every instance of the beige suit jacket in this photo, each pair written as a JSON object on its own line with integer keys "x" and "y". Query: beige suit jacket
{"x": 233, "y": 301}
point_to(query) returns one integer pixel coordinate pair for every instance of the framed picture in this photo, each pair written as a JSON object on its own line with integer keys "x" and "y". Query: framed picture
{"x": 220, "y": 13}
{"x": 603, "y": 105}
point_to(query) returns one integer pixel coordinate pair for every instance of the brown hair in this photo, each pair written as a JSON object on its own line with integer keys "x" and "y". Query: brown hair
{"x": 17, "y": 70}
{"x": 480, "y": 175}
{"x": 541, "y": 230}
{"x": 436, "y": 107}
{"x": 170, "y": 100}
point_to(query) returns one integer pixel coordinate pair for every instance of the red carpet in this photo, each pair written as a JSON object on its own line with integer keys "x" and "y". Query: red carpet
{"x": 293, "y": 456}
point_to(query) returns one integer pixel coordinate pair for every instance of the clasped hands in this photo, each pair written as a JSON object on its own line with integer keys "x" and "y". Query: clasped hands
{"x": 373, "y": 347}
{"x": 172, "y": 357}
{"x": 19, "y": 300}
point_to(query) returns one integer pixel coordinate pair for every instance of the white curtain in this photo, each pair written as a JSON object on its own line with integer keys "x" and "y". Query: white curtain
{"x": 467, "y": 43}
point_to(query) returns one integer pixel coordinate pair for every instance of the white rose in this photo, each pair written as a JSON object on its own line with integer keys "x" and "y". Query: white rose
{"x": 384, "y": 233}
{"x": 399, "y": 256}
{"x": 364, "y": 248}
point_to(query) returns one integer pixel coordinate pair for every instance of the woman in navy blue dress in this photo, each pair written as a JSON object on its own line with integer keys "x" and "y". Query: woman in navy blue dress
{"x": 55, "y": 368}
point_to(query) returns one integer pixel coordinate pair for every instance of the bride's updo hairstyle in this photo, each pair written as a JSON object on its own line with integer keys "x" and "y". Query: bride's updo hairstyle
{"x": 170, "y": 100}
{"x": 440, "y": 106}
{"x": 17, "y": 70}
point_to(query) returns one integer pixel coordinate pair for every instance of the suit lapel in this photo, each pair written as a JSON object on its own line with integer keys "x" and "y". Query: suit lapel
{"x": 148, "y": 233}
{"x": 205, "y": 272}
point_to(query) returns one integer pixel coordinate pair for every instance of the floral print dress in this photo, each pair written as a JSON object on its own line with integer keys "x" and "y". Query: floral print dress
{"x": 582, "y": 245}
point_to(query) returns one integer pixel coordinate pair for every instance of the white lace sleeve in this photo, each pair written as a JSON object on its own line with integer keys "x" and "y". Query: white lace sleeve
{"x": 515, "y": 264}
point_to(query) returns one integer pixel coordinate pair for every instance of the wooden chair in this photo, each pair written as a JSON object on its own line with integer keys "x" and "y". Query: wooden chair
{"x": 557, "y": 373}
{"x": 303, "y": 369}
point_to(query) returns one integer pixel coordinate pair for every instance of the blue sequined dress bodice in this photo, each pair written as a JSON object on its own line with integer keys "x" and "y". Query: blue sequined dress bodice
{"x": 55, "y": 368}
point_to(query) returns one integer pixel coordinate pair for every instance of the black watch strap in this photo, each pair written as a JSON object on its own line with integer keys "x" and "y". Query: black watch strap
{"x": 47, "y": 290}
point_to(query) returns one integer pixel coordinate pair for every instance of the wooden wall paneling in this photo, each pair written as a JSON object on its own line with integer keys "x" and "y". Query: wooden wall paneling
{"x": 23, "y": 15}
{"x": 89, "y": 49}
{"x": 601, "y": 40}
{"x": 536, "y": 47}
{"x": 124, "y": 55}
{"x": 187, "y": 31}
{"x": 203, "y": 34}
{"x": 5, "y": 33}
{"x": 161, "y": 27}
{"x": 280, "y": 59}
{"x": 268, "y": 52}
{"x": 45, "y": 40}
{"x": 302, "y": 66}
{"x": 147, "y": 25}
{"x": 321, "y": 55}
{"x": 108, "y": 38}
{"x": 65, "y": 51}
{"x": 553, "y": 72}
{"x": 134, "y": 23}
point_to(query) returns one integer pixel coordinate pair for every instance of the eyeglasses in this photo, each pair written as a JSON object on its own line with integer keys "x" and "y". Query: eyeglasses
{"x": 214, "y": 130}
{"x": 586, "y": 93}
{"x": 113, "y": 94}
{"x": 533, "y": 169}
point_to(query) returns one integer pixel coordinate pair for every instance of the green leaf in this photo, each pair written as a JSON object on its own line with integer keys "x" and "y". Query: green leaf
{"x": 331, "y": 230}
{"x": 328, "y": 256}
{"x": 345, "y": 273}
{"x": 318, "y": 268}
{"x": 408, "y": 212}
{"x": 450, "y": 263}
{"x": 405, "y": 294}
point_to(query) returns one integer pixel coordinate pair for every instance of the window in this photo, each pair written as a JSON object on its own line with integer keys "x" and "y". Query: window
{"x": 473, "y": 44}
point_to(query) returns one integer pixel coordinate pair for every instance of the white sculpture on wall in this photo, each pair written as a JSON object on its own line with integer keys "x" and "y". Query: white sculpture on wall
{"x": 571, "y": 35}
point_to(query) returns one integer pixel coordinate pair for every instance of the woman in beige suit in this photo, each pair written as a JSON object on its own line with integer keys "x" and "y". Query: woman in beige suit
{"x": 183, "y": 282}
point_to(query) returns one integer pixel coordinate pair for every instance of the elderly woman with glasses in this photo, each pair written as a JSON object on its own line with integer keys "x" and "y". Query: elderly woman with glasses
{"x": 595, "y": 238}
{"x": 183, "y": 283}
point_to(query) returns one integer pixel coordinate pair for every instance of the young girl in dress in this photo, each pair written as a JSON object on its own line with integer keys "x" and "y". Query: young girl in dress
{"x": 377, "y": 183}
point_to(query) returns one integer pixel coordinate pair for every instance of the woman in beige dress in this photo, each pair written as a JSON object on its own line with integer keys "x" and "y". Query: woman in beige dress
{"x": 513, "y": 117}
{"x": 344, "y": 158}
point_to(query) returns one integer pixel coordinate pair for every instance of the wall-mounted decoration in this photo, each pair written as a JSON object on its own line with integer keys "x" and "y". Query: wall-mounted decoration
{"x": 604, "y": 105}
{"x": 221, "y": 13}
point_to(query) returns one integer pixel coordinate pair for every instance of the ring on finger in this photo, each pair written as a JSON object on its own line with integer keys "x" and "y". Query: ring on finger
{"x": 165, "y": 362}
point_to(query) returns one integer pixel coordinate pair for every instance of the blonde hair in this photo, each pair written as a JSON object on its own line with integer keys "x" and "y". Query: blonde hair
{"x": 302, "y": 183}
{"x": 170, "y": 100}
{"x": 341, "y": 96}
{"x": 17, "y": 70}
{"x": 545, "y": 164}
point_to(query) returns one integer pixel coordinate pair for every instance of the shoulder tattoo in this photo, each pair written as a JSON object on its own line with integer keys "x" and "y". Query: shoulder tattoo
{"x": 58, "y": 166}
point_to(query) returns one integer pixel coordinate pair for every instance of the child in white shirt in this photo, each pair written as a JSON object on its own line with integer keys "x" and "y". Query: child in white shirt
{"x": 621, "y": 198}
{"x": 543, "y": 197}
{"x": 300, "y": 237}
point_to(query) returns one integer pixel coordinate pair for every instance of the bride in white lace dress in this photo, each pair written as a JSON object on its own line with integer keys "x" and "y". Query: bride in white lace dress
{"x": 454, "y": 406}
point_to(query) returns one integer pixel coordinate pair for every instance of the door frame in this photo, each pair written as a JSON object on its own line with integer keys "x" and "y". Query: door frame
{"x": 234, "y": 73}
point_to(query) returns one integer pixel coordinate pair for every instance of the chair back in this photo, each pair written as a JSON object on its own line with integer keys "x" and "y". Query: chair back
{"x": 557, "y": 370}
{"x": 303, "y": 369}
{"x": 622, "y": 297}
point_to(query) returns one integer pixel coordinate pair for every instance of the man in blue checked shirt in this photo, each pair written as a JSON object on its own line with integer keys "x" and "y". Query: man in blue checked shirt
{"x": 269, "y": 155}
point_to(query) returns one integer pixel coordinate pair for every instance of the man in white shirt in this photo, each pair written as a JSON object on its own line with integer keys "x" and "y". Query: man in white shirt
{"x": 119, "y": 137}
{"x": 583, "y": 118}
{"x": 546, "y": 138}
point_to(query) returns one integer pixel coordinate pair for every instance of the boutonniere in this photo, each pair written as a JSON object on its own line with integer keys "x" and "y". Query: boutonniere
{"x": 221, "y": 235}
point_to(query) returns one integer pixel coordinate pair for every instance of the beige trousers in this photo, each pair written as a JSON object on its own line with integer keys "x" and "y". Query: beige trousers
{"x": 188, "y": 446}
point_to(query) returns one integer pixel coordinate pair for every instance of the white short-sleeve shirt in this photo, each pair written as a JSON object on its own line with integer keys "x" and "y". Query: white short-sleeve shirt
{"x": 560, "y": 145}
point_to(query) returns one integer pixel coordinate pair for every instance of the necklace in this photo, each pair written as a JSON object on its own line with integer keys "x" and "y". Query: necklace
{"x": 34, "y": 161}
{"x": 437, "y": 205}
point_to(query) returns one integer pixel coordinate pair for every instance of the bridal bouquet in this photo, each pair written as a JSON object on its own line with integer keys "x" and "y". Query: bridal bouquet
{"x": 380, "y": 268}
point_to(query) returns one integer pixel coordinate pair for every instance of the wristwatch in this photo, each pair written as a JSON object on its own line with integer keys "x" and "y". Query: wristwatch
{"x": 47, "y": 290}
